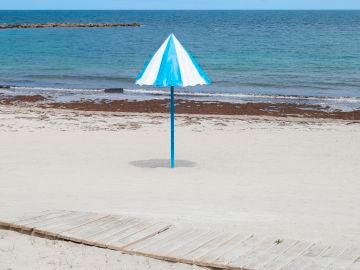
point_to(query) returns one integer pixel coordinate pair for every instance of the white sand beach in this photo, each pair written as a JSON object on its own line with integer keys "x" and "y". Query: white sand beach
{"x": 289, "y": 178}
{"x": 18, "y": 251}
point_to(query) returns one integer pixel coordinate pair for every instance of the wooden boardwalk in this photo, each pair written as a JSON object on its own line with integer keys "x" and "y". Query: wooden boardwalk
{"x": 224, "y": 250}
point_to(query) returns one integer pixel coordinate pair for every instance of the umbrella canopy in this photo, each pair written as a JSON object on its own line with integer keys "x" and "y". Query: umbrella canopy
{"x": 172, "y": 66}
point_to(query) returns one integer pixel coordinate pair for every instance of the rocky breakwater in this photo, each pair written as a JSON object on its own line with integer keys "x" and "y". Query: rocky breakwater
{"x": 67, "y": 25}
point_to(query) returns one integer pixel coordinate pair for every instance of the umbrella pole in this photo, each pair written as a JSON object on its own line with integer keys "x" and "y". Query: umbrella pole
{"x": 172, "y": 118}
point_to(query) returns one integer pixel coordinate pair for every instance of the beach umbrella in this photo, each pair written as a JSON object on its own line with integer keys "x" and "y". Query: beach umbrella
{"x": 172, "y": 66}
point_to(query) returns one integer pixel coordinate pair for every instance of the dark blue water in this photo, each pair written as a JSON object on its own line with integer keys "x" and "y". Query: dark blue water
{"x": 247, "y": 54}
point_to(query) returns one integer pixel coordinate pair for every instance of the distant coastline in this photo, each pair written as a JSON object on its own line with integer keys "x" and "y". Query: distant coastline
{"x": 67, "y": 25}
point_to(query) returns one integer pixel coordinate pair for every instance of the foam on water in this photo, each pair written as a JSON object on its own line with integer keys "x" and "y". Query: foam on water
{"x": 74, "y": 94}
{"x": 240, "y": 95}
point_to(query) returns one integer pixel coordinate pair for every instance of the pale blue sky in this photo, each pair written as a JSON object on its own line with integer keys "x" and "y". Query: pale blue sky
{"x": 179, "y": 4}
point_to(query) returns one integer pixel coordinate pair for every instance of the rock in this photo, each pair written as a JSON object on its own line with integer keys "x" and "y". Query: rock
{"x": 5, "y": 86}
{"x": 68, "y": 25}
{"x": 114, "y": 90}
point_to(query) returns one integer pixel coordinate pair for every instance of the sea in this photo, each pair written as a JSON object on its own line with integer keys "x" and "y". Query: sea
{"x": 304, "y": 57}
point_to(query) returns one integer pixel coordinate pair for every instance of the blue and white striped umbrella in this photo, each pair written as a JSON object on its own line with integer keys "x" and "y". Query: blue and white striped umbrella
{"x": 172, "y": 66}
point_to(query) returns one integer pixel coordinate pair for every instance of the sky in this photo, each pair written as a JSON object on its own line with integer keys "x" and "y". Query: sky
{"x": 179, "y": 4}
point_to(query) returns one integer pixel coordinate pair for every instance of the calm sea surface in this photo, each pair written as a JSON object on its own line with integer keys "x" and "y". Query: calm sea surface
{"x": 304, "y": 56}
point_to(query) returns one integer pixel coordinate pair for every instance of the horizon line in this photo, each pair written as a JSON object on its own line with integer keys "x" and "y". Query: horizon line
{"x": 280, "y": 9}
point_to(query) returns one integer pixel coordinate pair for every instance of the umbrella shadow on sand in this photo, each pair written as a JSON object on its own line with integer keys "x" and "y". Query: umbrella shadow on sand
{"x": 161, "y": 163}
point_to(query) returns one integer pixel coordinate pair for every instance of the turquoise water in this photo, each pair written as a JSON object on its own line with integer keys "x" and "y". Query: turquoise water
{"x": 297, "y": 55}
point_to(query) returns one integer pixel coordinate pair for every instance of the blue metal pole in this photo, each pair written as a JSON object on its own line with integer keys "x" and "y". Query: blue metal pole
{"x": 172, "y": 117}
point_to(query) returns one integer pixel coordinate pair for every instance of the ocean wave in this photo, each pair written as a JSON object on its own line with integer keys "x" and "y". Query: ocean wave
{"x": 57, "y": 89}
{"x": 80, "y": 77}
{"x": 186, "y": 94}
{"x": 244, "y": 95}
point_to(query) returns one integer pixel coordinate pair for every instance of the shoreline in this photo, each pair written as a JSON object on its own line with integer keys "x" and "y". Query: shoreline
{"x": 190, "y": 107}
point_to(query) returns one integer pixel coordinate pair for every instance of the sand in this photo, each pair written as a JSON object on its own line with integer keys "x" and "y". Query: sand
{"x": 288, "y": 178}
{"x": 18, "y": 251}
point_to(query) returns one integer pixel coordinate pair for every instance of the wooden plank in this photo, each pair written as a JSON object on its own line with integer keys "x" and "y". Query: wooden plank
{"x": 118, "y": 228}
{"x": 29, "y": 224}
{"x": 172, "y": 249}
{"x": 138, "y": 247}
{"x": 96, "y": 217}
{"x": 47, "y": 219}
{"x": 214, "y": 244}
{"x": 222, "y": 249}
{"x": 307, "y": 258}
{"x": 44, "y": 217}
{"x": 68, "y": 223}
{"x": 241, "y": 248}
{"x": 286, "y": 257}
{"x": 163, "y": 245}
{"x": 188, "y": 246}
{"x": 95, "y": 227}
{"x": 142, "y": 235}
{"x": 260, "y": 257}
{"x": 149, "y": 246}
{"x": 219, "y": 258}
{"x": 335, "y": 268}
{"x": 116, "y": 238}
{"x": 92, "y": 232}
{"x": 325, "y": 258}
{"x": 55, "y": 220}
{"x": 178, "y": 242}
{"x": 252, "y": 255}
{"x": 157, "y": 248}
{"x": 349, "y": 257}
{"x": 353, "y": 266}
{"x": 14, "y": 220}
